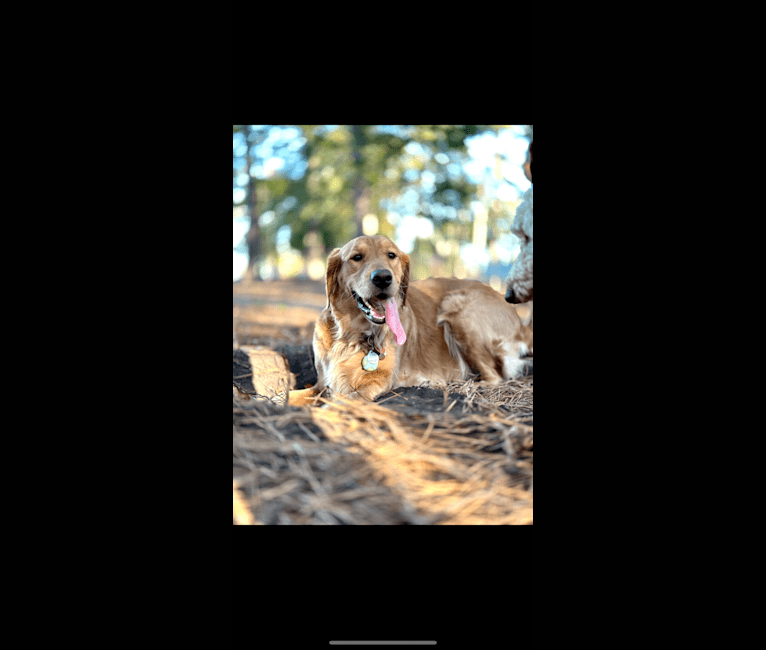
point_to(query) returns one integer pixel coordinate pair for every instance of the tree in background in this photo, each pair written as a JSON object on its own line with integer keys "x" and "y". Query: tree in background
{"x": 335, "y": 183}
{"x": 261, "y": 189}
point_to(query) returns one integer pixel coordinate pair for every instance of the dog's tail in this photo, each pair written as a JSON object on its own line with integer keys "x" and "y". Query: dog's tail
{"x": 454, "y": 347}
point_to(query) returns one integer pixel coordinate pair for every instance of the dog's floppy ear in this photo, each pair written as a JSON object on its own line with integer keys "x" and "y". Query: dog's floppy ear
{"x": 405, "y": 281}
{"x": 334, "y": 264}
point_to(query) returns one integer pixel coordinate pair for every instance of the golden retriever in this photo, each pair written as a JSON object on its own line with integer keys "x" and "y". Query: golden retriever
{"x": 380, "y": 331}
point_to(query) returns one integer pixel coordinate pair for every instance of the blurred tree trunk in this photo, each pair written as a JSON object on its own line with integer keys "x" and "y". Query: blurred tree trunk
{"x": 253, "y": 236}
{"x": 361, "y": 190}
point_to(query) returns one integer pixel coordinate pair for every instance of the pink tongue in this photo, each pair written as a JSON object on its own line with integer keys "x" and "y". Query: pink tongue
{"x": 392, "y": 318}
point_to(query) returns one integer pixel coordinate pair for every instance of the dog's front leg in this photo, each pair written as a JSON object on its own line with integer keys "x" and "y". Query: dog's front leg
{"x": 371, "y": 384}
{"x": 303, "y": 397}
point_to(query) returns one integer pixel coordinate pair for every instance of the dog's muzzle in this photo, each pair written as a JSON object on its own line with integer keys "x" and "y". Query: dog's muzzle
{"x": 366, "y": 308}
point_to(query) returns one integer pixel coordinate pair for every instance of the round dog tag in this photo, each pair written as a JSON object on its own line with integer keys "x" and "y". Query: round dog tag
{"x": 370, "y": 362}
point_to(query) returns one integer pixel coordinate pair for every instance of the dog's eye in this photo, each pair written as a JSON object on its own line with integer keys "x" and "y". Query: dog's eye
{"x": 392, "y": 256}
{"x": 357, "y": 257}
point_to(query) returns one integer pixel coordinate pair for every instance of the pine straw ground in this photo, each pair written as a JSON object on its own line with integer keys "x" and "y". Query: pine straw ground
{"x": 454, "y": 454}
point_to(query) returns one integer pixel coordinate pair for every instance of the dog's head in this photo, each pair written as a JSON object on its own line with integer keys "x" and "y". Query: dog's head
{"x": 528, "y": 164}
{"x": 519, "y": 283}
{"x": 366, "y": 272}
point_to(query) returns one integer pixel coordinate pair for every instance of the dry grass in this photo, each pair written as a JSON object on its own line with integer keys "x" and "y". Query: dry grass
{"x": 467, "y": 462}
{"x": 460, "y": 454}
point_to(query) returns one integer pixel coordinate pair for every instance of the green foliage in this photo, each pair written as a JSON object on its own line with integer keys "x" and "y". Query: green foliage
{"x": 334, "y": 175}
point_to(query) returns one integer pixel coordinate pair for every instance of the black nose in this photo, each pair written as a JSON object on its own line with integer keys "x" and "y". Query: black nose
{"x": 381, "y": 278}
{"x": 509, "y": 297}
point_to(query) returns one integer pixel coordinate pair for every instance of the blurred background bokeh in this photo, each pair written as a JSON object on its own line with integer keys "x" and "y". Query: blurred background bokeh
{"x": 446, "y": 194}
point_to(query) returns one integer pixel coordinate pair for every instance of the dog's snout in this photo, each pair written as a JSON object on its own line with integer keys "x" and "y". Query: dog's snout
{"x": 381, "y": 278}
{"x": 509, "y": 297}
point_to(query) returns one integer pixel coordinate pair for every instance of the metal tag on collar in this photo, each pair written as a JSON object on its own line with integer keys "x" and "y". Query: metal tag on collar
{"x": 370, "y": 361}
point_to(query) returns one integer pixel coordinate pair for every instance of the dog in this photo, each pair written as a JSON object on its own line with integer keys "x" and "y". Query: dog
{"x": 379, "y": 331}
{"x": 519, "y": 283}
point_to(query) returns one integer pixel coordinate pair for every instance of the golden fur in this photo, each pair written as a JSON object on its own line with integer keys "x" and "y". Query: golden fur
{"x": 453, "y": 327}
